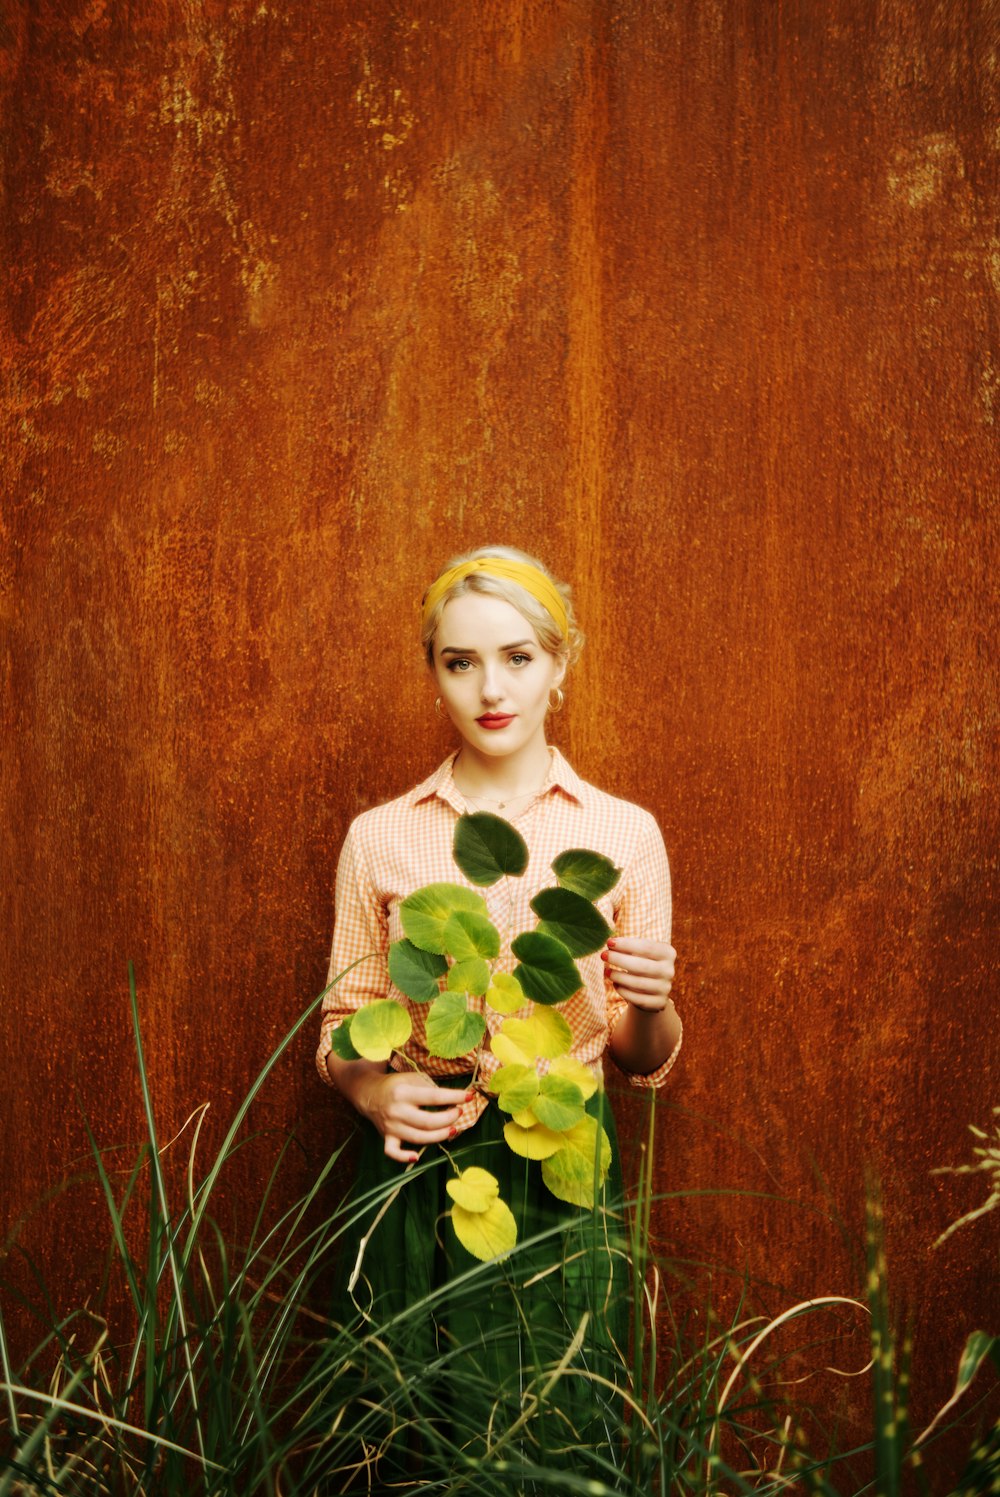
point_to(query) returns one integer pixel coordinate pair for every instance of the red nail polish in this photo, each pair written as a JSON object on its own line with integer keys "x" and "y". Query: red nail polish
{"x": 452, "y": 1132}
{"x": 605, "y": 957}
{"x": 611, "y": 945}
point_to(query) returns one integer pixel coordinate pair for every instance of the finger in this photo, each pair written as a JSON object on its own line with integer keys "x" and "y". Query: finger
{"x": 634, "y": 982}
{"x": 640, "y": 966}
{"x": 642, "y": 946}
{"x": 423, "y": 1095}
{"x": 427, "y": 1124}
{"x": 421, "y": 1137}
{"x": 634, "y": 967}
{"x": 394, "y": 1150}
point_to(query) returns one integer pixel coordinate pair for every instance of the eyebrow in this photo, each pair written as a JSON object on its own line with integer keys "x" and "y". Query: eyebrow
{"x": 517, "y": 645}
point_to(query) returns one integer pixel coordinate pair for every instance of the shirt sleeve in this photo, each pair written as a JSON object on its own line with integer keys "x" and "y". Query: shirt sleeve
{"x": 644, "y": 910}
{"x": 360, "y": 943}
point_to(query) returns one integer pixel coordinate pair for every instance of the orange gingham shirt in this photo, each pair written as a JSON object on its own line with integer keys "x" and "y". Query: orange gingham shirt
{"x": 395, "y": 849}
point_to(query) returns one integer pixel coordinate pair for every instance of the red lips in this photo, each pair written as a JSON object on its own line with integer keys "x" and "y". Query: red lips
{"x": 495, "y": 719}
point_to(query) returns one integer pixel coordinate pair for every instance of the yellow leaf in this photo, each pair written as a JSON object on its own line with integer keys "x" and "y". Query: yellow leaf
{"x": 508, "y": 1052}
{"x": 380, "y": 1028}
{"x": 475, "y": 1189}
{"x": 471, "y": 976}
{"x": 575, "y": 1071}
{"x": 570, "y": 1177}
{"x": 485, "y": 1234}
{"x": 532, "y": 1143}
{"x": 554, "y": 1035}
{"x": 505, "y": 993}
{"x": 525, "y": 1119}
{"x": 546, "y": 1033}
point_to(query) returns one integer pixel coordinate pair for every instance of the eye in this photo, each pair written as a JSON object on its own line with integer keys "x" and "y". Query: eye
{"x": 519, "y": 658}
{"x": 459, "y": 664}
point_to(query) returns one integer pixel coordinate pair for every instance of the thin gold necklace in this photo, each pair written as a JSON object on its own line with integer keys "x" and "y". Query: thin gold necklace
{"x": 501, "y": 805}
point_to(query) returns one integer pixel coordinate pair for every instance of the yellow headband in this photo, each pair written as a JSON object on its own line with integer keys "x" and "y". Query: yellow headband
{"x": 522, "y": 572}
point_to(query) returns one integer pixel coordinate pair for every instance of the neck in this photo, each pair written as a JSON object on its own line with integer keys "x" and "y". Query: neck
{"x": 502, "y": 779}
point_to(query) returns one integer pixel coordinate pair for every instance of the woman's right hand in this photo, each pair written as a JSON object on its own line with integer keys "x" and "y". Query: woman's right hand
{"x": 407, "y": 1108}
{"x": 410, "y": 1109}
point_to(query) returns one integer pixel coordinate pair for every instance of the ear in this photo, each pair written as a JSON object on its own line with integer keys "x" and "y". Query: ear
{"x": 560, "y": 675}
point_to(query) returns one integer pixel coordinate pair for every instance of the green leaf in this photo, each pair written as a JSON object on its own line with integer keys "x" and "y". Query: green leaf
{"x": 467, "y": 934}
{"x": 340, "y": 1042}
{"x": 547, "y": 972}
{"x": 426, "y": 912}
{"x": 485, "y": 1234}
{"x": 516, "y": 1087}
{"x": 505, "y": 994}
{"x": 451, "y": 1029}
{"x": 474, "y": 1189}
{"x": 586, "y": 873}
{"x": 570, "y": 1173}
{"x": 415, "y": 972}
{"x": 472, "y": 976}
{"x": 380, "y": 1028}
{"x": 487, "y": 847}
{"x": 559, "y": 1104}
{"x": 572, "y": 919}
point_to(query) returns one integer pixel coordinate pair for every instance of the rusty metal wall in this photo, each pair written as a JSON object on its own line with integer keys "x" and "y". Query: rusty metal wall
{"x": 700, "y": 301}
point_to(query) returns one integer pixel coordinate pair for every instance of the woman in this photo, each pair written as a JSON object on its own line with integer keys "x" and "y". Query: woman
{"x": 499, "y": 635}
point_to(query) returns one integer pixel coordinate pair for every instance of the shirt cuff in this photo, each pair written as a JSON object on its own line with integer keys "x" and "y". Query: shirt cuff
{"x": 325, "y": 1046}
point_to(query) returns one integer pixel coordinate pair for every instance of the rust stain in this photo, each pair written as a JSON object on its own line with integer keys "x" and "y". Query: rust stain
{"x": 920, "y": 172}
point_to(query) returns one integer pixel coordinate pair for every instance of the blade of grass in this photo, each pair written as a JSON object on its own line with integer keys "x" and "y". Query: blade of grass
{"x": 8, "y": 1378}
{"x": 887, "y": 1441}
{"x": 60, "y": 1403}
{"x": 125, "y": 1257}
{"x": 39, "y": 1434}
{"x": 265, "y": 1442}
{"x": 161, "y": 1199}
{"x": 208, "y": 1184}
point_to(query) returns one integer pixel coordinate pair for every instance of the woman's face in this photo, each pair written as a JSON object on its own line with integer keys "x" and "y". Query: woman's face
{"x": 492, "y": 674}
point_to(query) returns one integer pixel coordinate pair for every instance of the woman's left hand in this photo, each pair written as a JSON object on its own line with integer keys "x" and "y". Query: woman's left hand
{"x": 642, "y": 971}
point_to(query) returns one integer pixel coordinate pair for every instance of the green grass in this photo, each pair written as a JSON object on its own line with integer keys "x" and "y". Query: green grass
{"x": 218, "y": 1371}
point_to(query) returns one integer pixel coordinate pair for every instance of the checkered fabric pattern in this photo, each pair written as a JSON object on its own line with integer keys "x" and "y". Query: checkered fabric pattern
{"x": 396, "y": 848}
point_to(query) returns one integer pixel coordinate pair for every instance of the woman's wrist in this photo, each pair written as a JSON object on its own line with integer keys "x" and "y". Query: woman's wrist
{"x": 644, "y": 1038}
{"x": 350, "y": 1077}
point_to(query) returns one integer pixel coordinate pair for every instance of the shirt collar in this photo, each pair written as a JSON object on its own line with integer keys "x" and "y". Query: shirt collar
{"x": 563, "y": 776}
{"x": 441, "y": 783}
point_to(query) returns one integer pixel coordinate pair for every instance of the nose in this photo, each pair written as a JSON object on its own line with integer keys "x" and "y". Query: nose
{"x": 491, "y": 690}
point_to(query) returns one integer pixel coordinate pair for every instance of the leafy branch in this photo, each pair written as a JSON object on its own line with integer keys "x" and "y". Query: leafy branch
{"x": 452, "y": 958}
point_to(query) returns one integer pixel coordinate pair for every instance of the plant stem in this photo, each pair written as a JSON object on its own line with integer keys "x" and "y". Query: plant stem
{"x": 363, "y": 1244}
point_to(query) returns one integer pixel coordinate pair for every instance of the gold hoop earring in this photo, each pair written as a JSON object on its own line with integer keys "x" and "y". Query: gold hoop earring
{"x": 557, "y": 705}
{"x": 439, "y": 707}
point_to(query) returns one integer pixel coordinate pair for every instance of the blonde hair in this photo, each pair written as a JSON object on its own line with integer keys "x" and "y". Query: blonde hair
{"x": 551, "y": 638}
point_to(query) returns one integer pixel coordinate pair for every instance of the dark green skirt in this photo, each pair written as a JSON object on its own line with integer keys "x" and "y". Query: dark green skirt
{"x": 503, "y": 1371}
